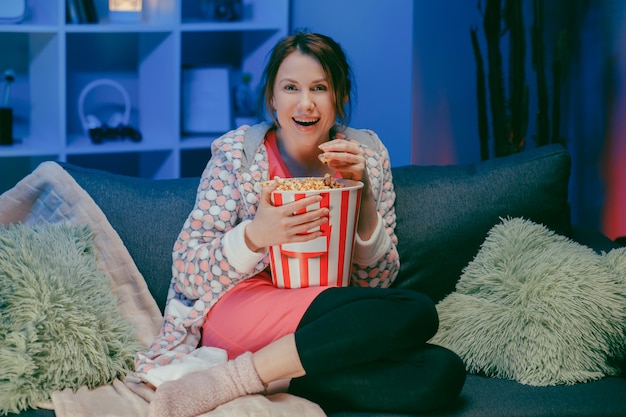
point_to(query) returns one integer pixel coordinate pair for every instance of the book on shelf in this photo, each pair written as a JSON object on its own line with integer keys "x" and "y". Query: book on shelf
{"x": 80, "y": 11}
{"x": 72, "y": 13}
{"x": 90, "y": 11}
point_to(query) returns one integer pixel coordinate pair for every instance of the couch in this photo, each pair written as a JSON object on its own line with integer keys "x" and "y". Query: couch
{"x": 444, "y": 214}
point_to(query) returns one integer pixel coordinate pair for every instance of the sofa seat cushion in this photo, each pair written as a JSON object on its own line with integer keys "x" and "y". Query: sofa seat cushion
{"x": 538, "y": 308}
{"x": 491, "y": 397}
{"x": 445, "y": 212}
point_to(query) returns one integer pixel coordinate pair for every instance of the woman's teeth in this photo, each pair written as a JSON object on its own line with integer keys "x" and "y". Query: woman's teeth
{"x": 306, "y": 122}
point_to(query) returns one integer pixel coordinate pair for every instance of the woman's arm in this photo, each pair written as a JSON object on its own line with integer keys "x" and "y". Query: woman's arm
{"x": 376, "y": 260}
{"x": 209, "y": 255}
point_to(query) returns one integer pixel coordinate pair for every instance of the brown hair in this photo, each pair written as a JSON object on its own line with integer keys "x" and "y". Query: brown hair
{"x": 334, "y": 63}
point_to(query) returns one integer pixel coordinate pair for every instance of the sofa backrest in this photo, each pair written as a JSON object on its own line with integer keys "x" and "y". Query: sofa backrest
{"x": 443, "y": 213}
{"x": 147, "y": 215}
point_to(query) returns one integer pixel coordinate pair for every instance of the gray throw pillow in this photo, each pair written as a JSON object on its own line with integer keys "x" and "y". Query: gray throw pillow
{"x": 537, "y": 308}
{"x": 60, "y": 323}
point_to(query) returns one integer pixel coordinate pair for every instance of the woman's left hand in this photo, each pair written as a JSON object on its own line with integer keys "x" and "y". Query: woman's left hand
{"x": 346, "y": 157}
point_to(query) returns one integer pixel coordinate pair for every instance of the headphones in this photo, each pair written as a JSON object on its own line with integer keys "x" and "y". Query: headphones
{"x": 117, "y": 127}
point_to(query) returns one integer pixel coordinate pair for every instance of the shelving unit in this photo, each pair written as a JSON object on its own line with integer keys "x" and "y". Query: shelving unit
{"x": 54, "y": 61}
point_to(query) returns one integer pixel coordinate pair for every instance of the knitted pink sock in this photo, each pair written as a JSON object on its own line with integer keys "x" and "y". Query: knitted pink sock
{"x": 202, "y": 391}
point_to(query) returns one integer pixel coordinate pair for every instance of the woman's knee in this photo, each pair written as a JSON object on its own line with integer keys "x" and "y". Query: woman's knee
{"x": 418, "y": 314}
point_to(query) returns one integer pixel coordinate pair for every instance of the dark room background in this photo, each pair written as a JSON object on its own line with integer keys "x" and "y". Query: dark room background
{"x": 416, "y": 77}
{"x": 416, "y": 74}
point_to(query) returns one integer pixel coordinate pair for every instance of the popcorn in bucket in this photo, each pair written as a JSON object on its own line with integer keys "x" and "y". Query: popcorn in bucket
{"x": 326, "y": 260}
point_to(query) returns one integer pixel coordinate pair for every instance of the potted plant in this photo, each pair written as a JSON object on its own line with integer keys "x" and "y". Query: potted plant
{"x": 503, "y": 92}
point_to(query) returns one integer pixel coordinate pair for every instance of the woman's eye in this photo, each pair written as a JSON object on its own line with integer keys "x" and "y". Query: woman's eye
{"x": 319, "y": 88}
{"x": 290, "y": 87}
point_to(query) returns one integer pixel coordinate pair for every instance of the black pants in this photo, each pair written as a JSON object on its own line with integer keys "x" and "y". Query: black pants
{"x": 364, "y": 349}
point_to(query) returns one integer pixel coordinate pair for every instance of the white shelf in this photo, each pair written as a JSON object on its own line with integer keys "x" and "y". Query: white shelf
{"x": 197, "y": 141}
{"x": 54, "y": 60}
{"x": 107, "y": 27}
{"x": 82, "y": 145}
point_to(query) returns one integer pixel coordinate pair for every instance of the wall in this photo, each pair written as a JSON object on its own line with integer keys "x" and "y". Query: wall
{"x": 377, "y": 37}
{"x": 444, "y": 94}
{"x": 416, "y": 72}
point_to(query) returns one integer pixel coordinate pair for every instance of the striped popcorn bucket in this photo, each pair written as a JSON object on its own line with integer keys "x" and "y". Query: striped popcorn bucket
{"x": 326, "y": 260}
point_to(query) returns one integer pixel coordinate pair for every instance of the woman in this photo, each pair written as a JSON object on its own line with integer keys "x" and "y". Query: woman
{"x": 361, "y": 347}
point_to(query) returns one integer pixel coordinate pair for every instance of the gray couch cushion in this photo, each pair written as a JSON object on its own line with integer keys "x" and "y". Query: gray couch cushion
{"x": 492, "y": 397}
{"x": 445, "y": 212}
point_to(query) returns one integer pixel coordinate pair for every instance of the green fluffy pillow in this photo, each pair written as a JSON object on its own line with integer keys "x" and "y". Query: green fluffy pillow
{"x": 537, "y": 308}
{"x": 60, "y": 325}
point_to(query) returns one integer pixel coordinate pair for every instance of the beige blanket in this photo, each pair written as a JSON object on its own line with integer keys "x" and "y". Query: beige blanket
{"x": 50, "y": 195}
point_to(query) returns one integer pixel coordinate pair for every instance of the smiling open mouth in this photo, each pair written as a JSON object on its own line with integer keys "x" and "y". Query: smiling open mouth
{"x": 306, "y": 122}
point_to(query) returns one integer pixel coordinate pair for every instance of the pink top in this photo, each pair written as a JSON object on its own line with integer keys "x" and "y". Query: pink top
{"x": 255, "y": 312}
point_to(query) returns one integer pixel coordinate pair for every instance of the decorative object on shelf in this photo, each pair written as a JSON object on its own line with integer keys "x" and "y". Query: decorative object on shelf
{"x": 125, "y": 11}
{"x": 118, "y": 125}
{"x": 245, "y": 102}
{"x": 6, "y": 113}
{"x": 245, "y": 99}
{"x": 80, "y": 11}
{"x": 228, "y": 10}
{"x": 222, "y": 10}
{"x": 206, "y": 101}
{"x": 12, "y": 11}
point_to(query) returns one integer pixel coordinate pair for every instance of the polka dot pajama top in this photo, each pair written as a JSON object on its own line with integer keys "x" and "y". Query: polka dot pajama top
{"x": 210, "y": 256}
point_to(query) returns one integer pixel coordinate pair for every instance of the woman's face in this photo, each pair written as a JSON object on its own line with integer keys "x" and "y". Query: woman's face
{"x": 302, "y": 99}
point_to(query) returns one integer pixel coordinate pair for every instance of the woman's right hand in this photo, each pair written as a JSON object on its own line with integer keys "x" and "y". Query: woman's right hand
{"x": 275, "y": 225}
